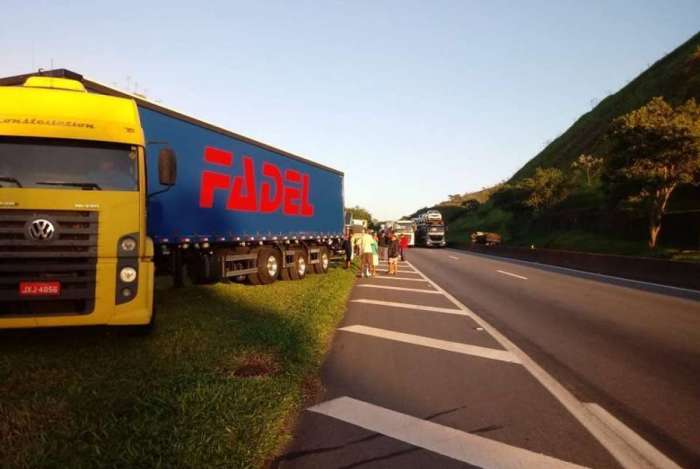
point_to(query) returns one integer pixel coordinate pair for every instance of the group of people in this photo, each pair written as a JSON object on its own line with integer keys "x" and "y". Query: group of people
{"x": 372, "y": 247}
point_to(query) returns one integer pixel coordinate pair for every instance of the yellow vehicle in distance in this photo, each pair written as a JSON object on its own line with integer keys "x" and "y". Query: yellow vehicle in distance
{"x": 73, "y": 244}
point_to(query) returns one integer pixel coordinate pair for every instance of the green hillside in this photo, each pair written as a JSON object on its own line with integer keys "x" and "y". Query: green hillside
{"x": 676, "y": 77}
{"x": 585, "y": 219}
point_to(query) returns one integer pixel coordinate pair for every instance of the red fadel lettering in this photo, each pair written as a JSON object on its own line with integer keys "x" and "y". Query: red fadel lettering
{"x": 290, "y": 193}
{"x": 270, "y": 203}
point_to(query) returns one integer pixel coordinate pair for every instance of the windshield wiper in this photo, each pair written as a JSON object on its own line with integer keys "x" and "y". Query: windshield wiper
{"x": 82, "y": 185}
{"x": 10, "y": 179}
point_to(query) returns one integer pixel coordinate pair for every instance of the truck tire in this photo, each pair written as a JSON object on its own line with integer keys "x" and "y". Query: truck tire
{"x": 269, "y": 266}
{"x": 299, "y": 266}
{"x": 324, "y": 261}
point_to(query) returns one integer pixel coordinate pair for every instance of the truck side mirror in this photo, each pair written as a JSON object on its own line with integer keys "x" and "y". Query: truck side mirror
{"x": 167, "y": 167}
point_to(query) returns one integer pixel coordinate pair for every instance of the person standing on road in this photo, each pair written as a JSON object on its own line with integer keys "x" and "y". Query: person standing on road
{"x": 347, "y": 247}
{"x": 403, "y": 244}
{"x": 383, "y": 244}
{"x": 375, "y": 254}
{"x": 364, "y": 243}
{"x": 393, "y": 252}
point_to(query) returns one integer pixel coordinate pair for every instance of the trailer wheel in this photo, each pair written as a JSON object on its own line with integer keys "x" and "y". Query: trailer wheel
{"x": 299, "y": 267}
{"x": 269, "y": 265}
{"x": 324, "y": 261}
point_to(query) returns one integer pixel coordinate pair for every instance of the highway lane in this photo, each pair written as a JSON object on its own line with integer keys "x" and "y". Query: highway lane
{"x": 633, "y": 351}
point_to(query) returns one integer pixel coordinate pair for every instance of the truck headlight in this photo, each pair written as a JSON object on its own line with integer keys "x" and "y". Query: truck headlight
{"x": 128, "y": 244}
{"x": 127, "y": 274}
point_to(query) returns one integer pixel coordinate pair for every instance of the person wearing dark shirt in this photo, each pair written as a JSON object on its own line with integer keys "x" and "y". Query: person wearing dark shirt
{"x": 393, "y": 252}
{"x": 347, "y": 247}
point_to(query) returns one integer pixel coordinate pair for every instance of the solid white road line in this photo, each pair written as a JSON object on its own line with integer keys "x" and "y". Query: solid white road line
{"x": 649, "y": 452}
{"x": 511, "y": 274}
{"x": 450, "y": 442}
{"x": 393, "y": 304}
{"x": 626, "y": 451}
{"x": 386, "y": 287}
{"x": 391, "y": 277}
{"x": 456, "y": 347}
{"x": 454, "y": 257}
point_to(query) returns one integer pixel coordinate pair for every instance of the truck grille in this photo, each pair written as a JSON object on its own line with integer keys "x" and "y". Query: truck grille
{"x": 69, "y": 257}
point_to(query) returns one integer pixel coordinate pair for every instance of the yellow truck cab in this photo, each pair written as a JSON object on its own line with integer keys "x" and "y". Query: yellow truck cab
{"x": 73, "y": 244}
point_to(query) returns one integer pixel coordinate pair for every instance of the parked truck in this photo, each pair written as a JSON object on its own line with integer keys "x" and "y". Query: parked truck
{"x": 98, "y": 187}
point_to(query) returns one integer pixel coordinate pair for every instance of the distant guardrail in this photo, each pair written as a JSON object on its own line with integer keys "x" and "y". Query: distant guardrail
{"x": 647, "y": 269}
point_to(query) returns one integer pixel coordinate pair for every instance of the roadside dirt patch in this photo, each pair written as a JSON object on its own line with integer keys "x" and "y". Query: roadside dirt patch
{"x": 252, "y": 365}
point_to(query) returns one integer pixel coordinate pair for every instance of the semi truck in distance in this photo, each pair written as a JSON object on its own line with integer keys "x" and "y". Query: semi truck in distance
{"x": 431, "y": 230}
{"x": 99, "y": 189}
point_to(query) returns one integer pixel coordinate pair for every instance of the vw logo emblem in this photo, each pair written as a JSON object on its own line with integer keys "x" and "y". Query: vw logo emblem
{"x": 41, "y": 230}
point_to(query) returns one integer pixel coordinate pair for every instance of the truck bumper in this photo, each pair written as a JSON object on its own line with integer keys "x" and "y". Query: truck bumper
{"x": 138, "y": 311}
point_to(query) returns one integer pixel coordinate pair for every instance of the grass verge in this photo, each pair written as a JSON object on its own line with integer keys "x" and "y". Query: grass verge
{"x": 217, "y": 384}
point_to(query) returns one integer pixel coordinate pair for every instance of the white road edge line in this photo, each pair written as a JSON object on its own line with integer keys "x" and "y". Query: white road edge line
{"x": 387, "y": 277}
{"x": 625, "y": 451}
{"x": 454, "y": 257}
{"x": 386, "y": 287}
{"x": 584, "y": 272}
{"x": 511, "y": 274}
{"x": 456, "y": 444}
{"x": 455, "y": 347}
{"x": 393, "y": 304}
{"x": 627, "y": 434}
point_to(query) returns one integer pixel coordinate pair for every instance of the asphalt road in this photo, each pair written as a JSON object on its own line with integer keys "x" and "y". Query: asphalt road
{"x": 624, "y": 345}
{"x": 469, "y": 361}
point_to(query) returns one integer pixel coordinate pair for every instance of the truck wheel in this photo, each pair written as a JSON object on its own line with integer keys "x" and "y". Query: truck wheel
{"x": 269, "y": 265}
{"x": 324, "y": 261}
{"x": 299, "y": 267}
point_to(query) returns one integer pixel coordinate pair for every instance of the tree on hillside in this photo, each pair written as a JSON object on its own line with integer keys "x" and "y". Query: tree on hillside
{"x": 471, "y": 204}
{"x": 655, "y": 149}
{"x": 454, "y": 199}
{"x": 510, "y": 197}
{"x": 546, "y": 188}
{"x": 588, "y": 164}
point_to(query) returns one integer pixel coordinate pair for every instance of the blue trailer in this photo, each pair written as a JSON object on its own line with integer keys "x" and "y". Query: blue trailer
{"x": 239, "y": 207}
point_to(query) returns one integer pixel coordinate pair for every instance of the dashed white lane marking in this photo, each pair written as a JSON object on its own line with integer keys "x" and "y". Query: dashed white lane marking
{"x": 454, "y": 257}
{"x": 584, "y": 273}
{"x": 386, "y": 287}
{"x": 650, "y": 453}
{"x": 391, "y": 277}
{"x": 627, "y": 451}
{"x": 511, "y": 274}
{"x": 393, "y": 304}
{"x": 450, "y": 442}
{"x": 456, "y": 347}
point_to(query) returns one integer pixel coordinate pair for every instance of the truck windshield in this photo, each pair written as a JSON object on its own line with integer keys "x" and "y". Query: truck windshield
{"x": 65, "y": 164}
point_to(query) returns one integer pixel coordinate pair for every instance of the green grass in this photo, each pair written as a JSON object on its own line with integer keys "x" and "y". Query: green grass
{"x": 99, "y": 397}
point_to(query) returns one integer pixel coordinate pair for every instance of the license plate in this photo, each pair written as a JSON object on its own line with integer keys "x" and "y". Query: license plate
{"x": 39, "y": 288}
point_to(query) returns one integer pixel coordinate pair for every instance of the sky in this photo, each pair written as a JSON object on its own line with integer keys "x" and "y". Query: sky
{"x": 412, "y": 100}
